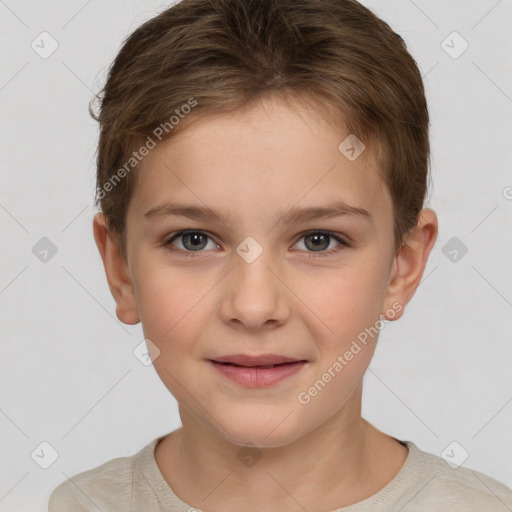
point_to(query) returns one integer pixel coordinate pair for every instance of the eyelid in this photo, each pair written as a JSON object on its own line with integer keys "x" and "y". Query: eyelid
{"x": 342, "y": 243}
{"x": 177, "y": 234}
{"x": 338, "y": 236}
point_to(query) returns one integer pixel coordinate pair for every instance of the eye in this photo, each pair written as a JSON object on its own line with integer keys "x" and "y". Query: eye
{"x": 191, "y": 241}
{"x": 319, "y": 241}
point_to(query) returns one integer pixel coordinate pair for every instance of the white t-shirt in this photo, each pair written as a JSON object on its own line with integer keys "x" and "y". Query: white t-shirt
{"x": 424, "y": 483}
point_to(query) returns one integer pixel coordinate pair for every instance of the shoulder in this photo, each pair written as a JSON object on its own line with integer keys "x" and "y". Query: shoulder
{"x": 450, "y": 488}
{"x": 106, "y": 487}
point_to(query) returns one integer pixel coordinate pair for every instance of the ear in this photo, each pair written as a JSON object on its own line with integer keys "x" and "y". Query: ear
{"x": 409, "y": 263}
{"x": 116, "y": 270}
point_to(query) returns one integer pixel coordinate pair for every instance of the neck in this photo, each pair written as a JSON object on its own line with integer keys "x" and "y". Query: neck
{"x": 342, "y": 462}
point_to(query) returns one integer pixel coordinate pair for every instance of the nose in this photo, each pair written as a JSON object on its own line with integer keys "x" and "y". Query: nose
{"x": 254, "y": 297}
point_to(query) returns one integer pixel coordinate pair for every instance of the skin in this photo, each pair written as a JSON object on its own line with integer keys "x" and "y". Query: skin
{"x": 250, "y": 165}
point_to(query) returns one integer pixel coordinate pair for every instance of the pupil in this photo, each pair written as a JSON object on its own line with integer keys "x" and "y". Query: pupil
{"x": 319, "y": 241}
{"x": 195, "y": 238}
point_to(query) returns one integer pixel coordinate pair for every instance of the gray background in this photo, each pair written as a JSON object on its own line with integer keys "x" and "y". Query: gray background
{"x": 68, "y": 373}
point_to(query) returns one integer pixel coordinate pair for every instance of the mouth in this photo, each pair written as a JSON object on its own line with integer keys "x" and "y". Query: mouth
{"x": 265, "y": 360}
{"x": 257, "y": 371}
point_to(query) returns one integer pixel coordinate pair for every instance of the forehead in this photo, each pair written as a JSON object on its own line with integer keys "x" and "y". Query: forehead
{"x": 272, "y": 155}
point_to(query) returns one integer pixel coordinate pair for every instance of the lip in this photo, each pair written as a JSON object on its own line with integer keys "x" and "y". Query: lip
{"x": 248, "y": 370}
{"x": 261, "y": 360}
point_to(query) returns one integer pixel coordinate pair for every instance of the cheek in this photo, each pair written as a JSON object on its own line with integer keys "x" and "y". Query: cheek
{"x": 170, "y": 304}
{"x": 346, "y": 300}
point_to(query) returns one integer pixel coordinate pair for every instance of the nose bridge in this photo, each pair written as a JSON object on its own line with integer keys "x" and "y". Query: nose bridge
{"x": 254, "y": 295}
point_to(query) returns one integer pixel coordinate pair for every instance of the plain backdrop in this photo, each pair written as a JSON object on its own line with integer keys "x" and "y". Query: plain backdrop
{"x": 69, "y": 378}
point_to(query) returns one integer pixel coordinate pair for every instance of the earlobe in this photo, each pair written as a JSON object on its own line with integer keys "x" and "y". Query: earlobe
{"x": 409, "y": 264}
{"x": 116, "y": 271}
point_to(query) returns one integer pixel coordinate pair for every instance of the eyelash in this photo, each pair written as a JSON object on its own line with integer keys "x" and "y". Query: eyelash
{"x": 312, "y": 254}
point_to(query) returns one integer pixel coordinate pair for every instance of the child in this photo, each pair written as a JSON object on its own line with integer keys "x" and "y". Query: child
{"x": 290, "y": 137}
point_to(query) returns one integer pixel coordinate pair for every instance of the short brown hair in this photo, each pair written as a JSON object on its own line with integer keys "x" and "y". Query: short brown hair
{"x": 220, "y": 56}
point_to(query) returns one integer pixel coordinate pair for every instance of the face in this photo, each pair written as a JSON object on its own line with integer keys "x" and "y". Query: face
{"x": 262, "y": 274}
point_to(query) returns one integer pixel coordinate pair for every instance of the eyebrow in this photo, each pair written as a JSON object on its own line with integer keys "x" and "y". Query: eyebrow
{"x": 293, "y": 215}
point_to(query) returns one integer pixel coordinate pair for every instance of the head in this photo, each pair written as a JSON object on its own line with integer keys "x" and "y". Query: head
{"x": 240, "y": 121}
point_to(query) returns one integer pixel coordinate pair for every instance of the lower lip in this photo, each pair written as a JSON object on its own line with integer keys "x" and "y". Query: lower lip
{"x": 253, "y": 377}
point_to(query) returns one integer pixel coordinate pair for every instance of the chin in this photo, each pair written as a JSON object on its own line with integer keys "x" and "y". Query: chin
{"x": 261, "y": 432}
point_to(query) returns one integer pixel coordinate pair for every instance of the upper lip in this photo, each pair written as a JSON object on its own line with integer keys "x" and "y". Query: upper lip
{"x": 261, "y": 360}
